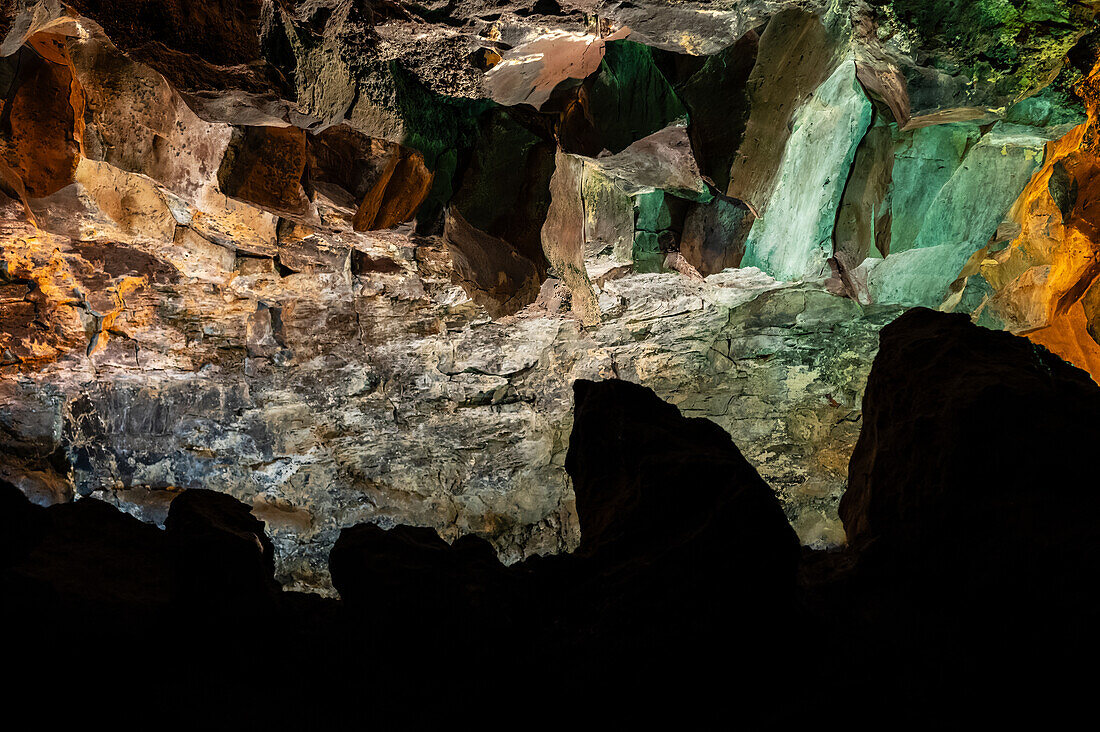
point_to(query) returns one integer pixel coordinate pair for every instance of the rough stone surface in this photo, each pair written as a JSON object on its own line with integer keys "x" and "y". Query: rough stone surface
{"x": 343, "y": 261}
{"x": 795, "y": 240}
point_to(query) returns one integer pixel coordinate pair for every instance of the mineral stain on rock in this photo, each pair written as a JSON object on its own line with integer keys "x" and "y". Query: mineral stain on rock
{"x": 345, "y": 262}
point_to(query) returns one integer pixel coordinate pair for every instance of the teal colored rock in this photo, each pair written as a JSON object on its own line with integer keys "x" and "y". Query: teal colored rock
{"x": 655, "y": 213}
{"x": 794, "y": 238}
{"x": 651, "y": 212}
{"x": 1049, "y": 108}
{"x": 647, "y": 253}
{"x": 961, "y": 218}
{"x": 924, "y": 161}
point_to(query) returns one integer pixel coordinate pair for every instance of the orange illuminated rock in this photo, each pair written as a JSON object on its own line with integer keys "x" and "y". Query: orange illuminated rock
{"x": 388, "y": 181}
{"x": 264, "y": 166}
{"x": 1069, "y": 337}
{"x": 1041, "y": 278}
{"x": 1090, "y": 304}
{"x": 398, "y": 192}
{"x": 42, "y": 118}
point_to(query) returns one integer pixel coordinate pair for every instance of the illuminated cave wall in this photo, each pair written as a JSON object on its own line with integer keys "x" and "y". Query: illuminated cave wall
{"x": 345, "y": 262}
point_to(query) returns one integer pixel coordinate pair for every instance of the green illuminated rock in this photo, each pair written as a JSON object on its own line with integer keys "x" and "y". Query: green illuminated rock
{"x": 981, "y": 55}
{"x": 924, "y": 161}
{"x": 794, "y": 237}
{"x": 961, "y": 218}
{"x": 630, "y": 98}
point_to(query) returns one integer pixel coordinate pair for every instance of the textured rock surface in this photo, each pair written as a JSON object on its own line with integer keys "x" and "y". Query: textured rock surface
{"x": 686, "y": 562}
{"x": 344, "y": 261}
{"x": 607, "y": 611}
{"x": 961, "y": 218}
{"x": 794, "y": 242}
{"x": 462, "y": 428}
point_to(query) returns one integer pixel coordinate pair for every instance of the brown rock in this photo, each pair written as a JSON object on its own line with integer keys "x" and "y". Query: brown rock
{"x": 397, "y": 194}
{"x": 489, "y": 269}
{"x": 714, "y": 235}
{"x": 862, "y": 221}
{"x": 795, "y": 56}
{"x": 265, "y": 166}
{"x": 42, "y": 118}
{"x": 563, "y": 236}
{"x": 389, "y": 181}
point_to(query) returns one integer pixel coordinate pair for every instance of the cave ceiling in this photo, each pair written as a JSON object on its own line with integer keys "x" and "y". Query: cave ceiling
{"x": 344, "y": 260}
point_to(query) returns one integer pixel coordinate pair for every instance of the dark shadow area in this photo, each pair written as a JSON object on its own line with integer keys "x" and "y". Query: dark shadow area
{"x": 964, "y": 594}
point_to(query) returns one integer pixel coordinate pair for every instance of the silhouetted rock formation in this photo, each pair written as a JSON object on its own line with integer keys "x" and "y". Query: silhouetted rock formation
{"x": 427, "y": 593}
{"x": 191, "y": 612}
{"x": 973, "y": 546}
{"x": 667, "y": 506}
{"x": 972, "y": 473}
{"x": 221, "y": 549}
{"x": 686, "y": 560}
{"x": 968, "y": 572}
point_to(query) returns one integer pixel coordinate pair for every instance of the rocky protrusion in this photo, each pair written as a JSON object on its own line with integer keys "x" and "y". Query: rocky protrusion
{"x": 630, "y": 455}
{"x": 489, "y": 269}
{"x": 563, "y": 236}
{"x": 714, "y": 235}
{"x": 265, "y": 166}
{"x": 793, "y": 238}
{"x": 795, "y": 56}
{"x": 971, "y": 473}
{"x": 409, "y": 575}
{"x": 681, "y": 541}
{"x": 388, "y": 181}
{"x": 978, "y": 195}
{"x": 41, "y": 116}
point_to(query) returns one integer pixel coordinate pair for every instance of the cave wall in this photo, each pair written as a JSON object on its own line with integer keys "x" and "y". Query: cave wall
{"x": 344, "y": 261}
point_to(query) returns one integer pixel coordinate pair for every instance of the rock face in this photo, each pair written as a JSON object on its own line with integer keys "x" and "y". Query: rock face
{"x": 998, "y": 166}
{"x": 405, "y": 591}
{"x": 344, "y": 261}
{"x": 970, "y": 505}
{"x": 826, "y": 132}
{"x": 632, "y": 458}
{"x": 1005, "y": 510}
{"x": 686, "y": 561}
